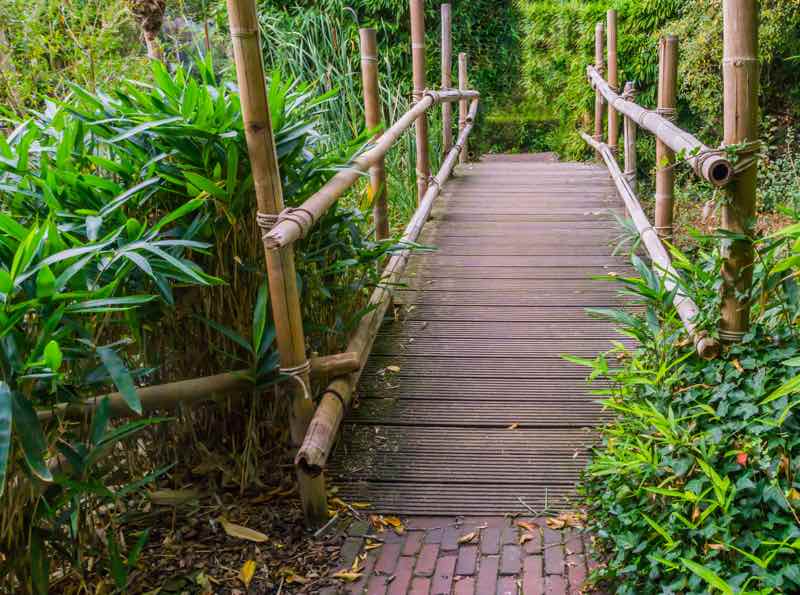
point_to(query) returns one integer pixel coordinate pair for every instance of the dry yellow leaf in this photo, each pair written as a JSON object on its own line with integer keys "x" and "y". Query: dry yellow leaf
{"x": 737, "y": 365}
{"x": 469, "y": 537}
{"x": 393, "y": 521}
{"x": 525, "y": 538}
{"x": 794, "y": 494}
{"x": 372, "y": 546}
{"x": 361, "y": 505}
{"x": 556, "y": 523}
{"x": 527, "y": 525}
{"x": 241, "y": 532}
{"x": 393, "y": 369}
{"x": 247, "y": 571}
{"x": 513, "y": 426}
{"x": 348, "y": 576}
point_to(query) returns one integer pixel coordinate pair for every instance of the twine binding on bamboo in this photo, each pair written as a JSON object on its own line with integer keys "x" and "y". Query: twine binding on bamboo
{"x": 369, "y": 59}
{"x": 335, "y": 393}
{"x": 302, "y": 218}
{"x": 731, "y": 336}
{"x": 244, "y": 32}
{"x": 668, "y": 113}
{"x": 297, "y": 373}
{"x": 747, "y": 154}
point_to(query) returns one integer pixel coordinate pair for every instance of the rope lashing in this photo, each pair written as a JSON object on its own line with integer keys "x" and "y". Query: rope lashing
{"x": 731, "y": 336}
{"x": 296, "y": 374}
{"x": 369, "y": 59}
{"x": 302, "y": 218}
{"x": 668, "y": 113}
{"x": 335, "y": 393}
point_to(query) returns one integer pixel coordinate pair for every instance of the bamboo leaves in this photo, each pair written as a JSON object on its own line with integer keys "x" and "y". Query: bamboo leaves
{"x": 121, "y": 377}
{"x": 5, "y": 431}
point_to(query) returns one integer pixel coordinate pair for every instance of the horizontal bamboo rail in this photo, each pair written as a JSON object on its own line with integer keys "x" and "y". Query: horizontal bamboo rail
{"x": 289, "y": 230}
{"x": 314, "y": 452}
{"x": 707, "y": 163}
{"x": 169, "y": 396}
{"x": 707, "y": 347}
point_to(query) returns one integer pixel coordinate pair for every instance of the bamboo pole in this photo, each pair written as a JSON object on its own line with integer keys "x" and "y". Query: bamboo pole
{"x": 463, "y": 83}
{"x": 709, "y": 164}
{"x": 665, "y": 157}
{"x": 740, "y": 73}
{"x": 285, "y": 298}
{"x": 707, "y": 347}
{"x": 372, "y": 114}
{"x": 187, "y": 392}
{"x": 284, "y": 232}
{"x": 613, "y": 78}
{"x": 599, "y": 106}
{"x": 447, "y": 75}
{"x": 316, "y": 448}
{"x": 629, "y": 140}
{"x": 418, "y": 74}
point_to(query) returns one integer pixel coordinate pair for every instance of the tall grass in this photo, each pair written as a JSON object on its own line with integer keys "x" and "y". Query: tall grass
{"x": 323, "y": 47}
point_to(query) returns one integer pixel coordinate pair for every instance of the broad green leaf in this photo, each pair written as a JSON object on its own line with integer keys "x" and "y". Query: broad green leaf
{"x": 184, "y": 209}
{"x": 30, "y": 436}
{"x": 708, "y": 575}
{"x": 121, "y": 377}
{"x": 45, "y": 283}
{"x": 6, "y": 417}
{"x": 6, "y": 283}
{"x": 143, "y": 128}
{"x": 791, "y": 386}
{"x": 100, "y": 422}
{"x": 52, "y": 356}
{"x": 230, "y": 333}
{"x": 205, "y": 185}
{"x": 40, "y": 563}
{"x": 260, "y": 316}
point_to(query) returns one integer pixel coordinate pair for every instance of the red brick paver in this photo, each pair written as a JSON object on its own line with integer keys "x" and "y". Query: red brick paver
{"x": 438, "y": 556}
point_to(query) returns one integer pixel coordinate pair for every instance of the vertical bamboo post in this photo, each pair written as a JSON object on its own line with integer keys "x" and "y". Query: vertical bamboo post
{"x": 280, "y": 263}
{"x": 665, "y": 157}
{"x": 613, "y": 78}
{"x": 418, "y": 75}
{"x": 740, "y": 74}
{"x": 447, "y": 75}
{"x": 372, "y": 114}
{"x": 629, "y": 139}
{"x": 599, "y": 102}
{"x": 463, "y": 106}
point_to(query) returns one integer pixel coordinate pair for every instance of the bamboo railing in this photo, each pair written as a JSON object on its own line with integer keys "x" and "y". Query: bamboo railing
{"x": 314, "y": 428}
{"x": 740, "y": 78}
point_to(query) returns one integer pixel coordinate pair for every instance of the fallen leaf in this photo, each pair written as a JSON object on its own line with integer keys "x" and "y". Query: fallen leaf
{"x": 372, "y": 546}
{"x": 361, "y": 505}
{"x": 241, "y": 532}
{"x": 525, "y": 538}
{"x": 348, "y": 576}
{"x": 247, "y": 571}
{"x": 173, "y": 497}
{"x": 527, "y": 525}
{"x": 394, "y": 522}
{"x": 513, "y": 426}
{"x": 556, "y": 523}
{"x": 737, "y": 365}
{"x": 469, "y": 537}
{"x": 393, "y": 369}
{"x": 290, "y": 576}
{"x": 794, "y": 494}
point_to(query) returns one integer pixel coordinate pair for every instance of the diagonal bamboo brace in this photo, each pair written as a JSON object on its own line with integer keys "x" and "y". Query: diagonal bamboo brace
{"x": 313, "y": 454}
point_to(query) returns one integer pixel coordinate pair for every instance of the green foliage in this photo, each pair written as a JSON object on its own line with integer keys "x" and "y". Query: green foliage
{"x": 45, "y": 43}
{"x": 695, "y": 487}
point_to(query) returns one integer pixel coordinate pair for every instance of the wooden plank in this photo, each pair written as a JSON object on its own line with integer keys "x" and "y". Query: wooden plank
{"x": 476, "y": 348}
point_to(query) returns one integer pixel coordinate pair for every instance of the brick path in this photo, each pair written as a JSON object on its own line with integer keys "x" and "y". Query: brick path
{"x": 427, "y": 559}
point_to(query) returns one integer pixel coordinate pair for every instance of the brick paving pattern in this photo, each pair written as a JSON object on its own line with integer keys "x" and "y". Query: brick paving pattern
{"x": 433, "y": 556}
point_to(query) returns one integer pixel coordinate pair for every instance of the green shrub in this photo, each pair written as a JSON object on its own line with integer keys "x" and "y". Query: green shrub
{"x": 695, "y": 487}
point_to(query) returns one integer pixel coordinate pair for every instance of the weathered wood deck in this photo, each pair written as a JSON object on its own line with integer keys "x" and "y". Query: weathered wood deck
{"x": 483, "y": 414}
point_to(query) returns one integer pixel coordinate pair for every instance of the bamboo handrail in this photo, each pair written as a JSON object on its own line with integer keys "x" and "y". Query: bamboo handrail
{"x": 707, "y": 163}
{"x": 322, "y": 430}
{"x": 169, "y": 396}
{"x": 285, "y": 232}
{"x": 707, "y": 347}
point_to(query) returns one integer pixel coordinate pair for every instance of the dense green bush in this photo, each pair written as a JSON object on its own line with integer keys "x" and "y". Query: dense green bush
{"x": 695, "y": 487}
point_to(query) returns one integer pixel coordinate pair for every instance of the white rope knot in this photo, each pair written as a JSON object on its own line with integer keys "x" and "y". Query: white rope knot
{"x": 297, "y": 373}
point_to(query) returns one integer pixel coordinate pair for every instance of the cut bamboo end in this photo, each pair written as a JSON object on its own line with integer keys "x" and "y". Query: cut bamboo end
{"x": 708, "y": 348}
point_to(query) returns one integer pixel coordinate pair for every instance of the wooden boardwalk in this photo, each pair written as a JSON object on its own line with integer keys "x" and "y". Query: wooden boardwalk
{"x": 466, "y": 406}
